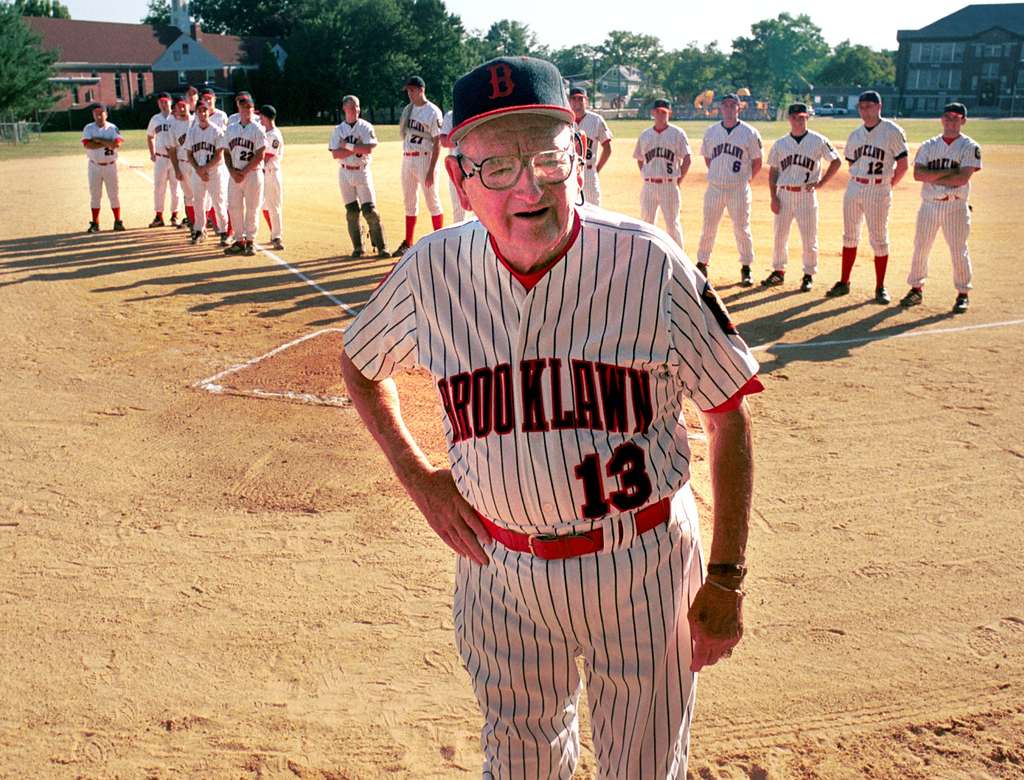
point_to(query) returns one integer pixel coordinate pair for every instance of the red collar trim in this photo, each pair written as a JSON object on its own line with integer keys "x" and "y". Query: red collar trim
{"x": 950, "y": 141}
{"x": 529, "y": 280}
{"x": 662, "y": 130}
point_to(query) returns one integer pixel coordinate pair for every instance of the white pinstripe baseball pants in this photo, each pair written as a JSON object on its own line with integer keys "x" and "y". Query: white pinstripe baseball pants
{"x": 414, "y": 176}
{"x": 737, "y": 200}
{"x": 666, "y": 197}
{"x": 954, "y": 219}
{"x": 164, "y": 178}
{"x": 591, "y": 186}
{"x": 521, "y": 621}
{"x": 802, "y": 206}
{"x": 100, "y": 176}
{"x": 244, "y": 201}
{"x": 867, "y": 203}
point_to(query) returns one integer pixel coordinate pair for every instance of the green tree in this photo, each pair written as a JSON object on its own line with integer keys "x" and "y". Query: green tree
{"x": 25, "y": 69}
{"x": 272, "y": 18}
{"x": 579, "y": 61}
{"x": 440, "y": 57}
{"x": 158, "y": 13}
{"x": 694, "y": 69}
{"x": 48, "y": 8}
{"x": 854, "y": 64}
{"x": 508, "y": 38}
{"x": 643, "y": 52}
{"x": 267, "y": 79}
{"x": 780, "y": 57}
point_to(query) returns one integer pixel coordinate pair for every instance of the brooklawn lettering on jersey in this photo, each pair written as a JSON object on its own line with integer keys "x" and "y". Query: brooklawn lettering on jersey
{"x": 797, "y": 159}
{"x": 867, "y": 151}
{"x": 727, "y": 148}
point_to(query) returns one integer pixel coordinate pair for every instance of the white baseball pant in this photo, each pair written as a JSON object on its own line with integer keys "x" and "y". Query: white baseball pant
{"x": 215, "y": 191}
{"x": 869, "y": 203}
{"x": 185, "y": 182}
{"x": 273, "y": 200}
{"x": 458, "y": 213}
{"x": 736, "y": 199}
{"x": 592, "y": 186}
{"x": 103, "y": 175}
{"x": 356, "y": 184}
{"x": 163, "y": 178}
{"x": 244, "y": 201}
{"x": 802, "y": 206}
{"x": 954, "y": 218}
{"x": 521, "y": 621}
{"x": 415, "y": 168}
{"x": 662, "y": 194}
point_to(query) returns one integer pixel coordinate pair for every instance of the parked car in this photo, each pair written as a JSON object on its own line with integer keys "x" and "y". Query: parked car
{"x": 827, "y": 109}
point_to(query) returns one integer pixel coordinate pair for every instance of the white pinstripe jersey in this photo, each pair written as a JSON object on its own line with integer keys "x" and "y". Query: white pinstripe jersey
{"x": 562, "y": 403}
{"x": 422, "y": 126}
{"x": 731, "y": 151}
{"x": 203, "y": 142}
{"x": 159, "y": 129}
{"x": 242, "y": 141}
{"x": 596, "y": 131}
{"x": 275, "y": 149}
{"x": 179, "y": 132}
{"x": 936, "y": 154}
{"x": 799, "y": 159}
{"x": 874, "y": 152}
{"x": 360, "y": 134}
{"x": 662, "y": 152}
{"x": 109, "y": 132}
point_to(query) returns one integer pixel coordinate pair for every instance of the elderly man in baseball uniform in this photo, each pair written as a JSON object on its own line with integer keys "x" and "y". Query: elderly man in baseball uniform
{"x": 160, "y": 142}
{"x": 732, "y": 152}
{"x": 352, "y": 144}
{"x": 273, "y": 186}
{"x": 794, "y": 180}
{"x": 877, "y": 153}
{"x": 209, "y": 176}
{"x": 181, "y": 121}
{"x": 244, "y": 145}
{"x": 101, "y": 140}
{"x": 662, "y": 154}
{"x": 420, "y": 130}
{"x": 945, "y": 165}
{"x": 458, "y": 211}
{"x": 596, "y": 136}
{"x": 562, "y": 342}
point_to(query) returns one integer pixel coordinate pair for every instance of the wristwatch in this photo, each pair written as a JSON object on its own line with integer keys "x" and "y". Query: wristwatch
{"x": 733, "y": 570}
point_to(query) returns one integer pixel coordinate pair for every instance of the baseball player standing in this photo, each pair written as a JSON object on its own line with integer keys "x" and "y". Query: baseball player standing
{"x": 244, "y": 144}
{"x": 217, "y": 117}
{"x": 561, "y": 363}
{"x": 209, "y": 176}
{"x": 794, "y": 180}
{"x": 662, "y": 154}
{"x": 420, "y": 129}
{"x": 877, "y": 153}
{"x": 596, "y": 133}
{"x": 159, "y": 141}
{"x": 181, "y": 121}
{"x": 945, "y": 164}
{"x": 352, "y": 144}
{"x": 101, "y": 140}
{"x": 273, "y": 190}
{"x": 732, "y": 152}
{"x": 458, "y": 210}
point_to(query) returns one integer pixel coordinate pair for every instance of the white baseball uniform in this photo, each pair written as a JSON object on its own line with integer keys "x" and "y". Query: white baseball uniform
{"x": 872, "y": 154}
{"x": 219, "y": 118}
{"x": 422, "y": 126}
{"x": 597, "y": 133}
{"x": 102, "y": 164}
{"x": 159, "y": 129}
{"x": 562, "y": 399}
{"x": 179, "y": 133}
{"x": 798, "y": 162}
{"x": 355, "y": 179}
{"x": 731, "y": 151}
{"x": 203, "y": 144}
{"x": 458, "y": 212}
{"x": 273, "y": 189}
{"x": 945, "y": 208}
{"x": 241, "y": 142}
{"x": 661, "y": 153}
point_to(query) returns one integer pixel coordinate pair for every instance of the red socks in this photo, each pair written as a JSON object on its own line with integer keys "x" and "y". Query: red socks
{"x": 95, "y": 215}
{"x": 266, "y": 216}
{"x": 159, "y": 215}
{"x": 410, "y": 229}
{"x": 849, "y": 258}
{"x": 117, "y": 213}
{"x": 437, "y": 220}
{"x": 191, "y": 212}
{"x": 880, "y": 264}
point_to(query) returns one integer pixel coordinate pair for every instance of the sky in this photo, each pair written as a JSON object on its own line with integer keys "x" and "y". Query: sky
{"x": 869, "y": 22}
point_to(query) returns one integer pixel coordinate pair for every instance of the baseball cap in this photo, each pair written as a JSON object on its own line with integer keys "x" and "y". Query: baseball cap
{"x": 577, "y": 91}
{"x": 243, "y": 95}
{"x": 180, "y": 99}
{"x": 662, "y": 104}
{"x": 955, "y": 108}
{"x": 730, "y": 96}
{"x": 94, "y": 106}
{"x": 415, "y": 81}
{"x": 869, "y": 97}
{"x": 208, "y": 91}
{"x": 508, "y": 85}
{"x": 163, "y": 96}
{"x": 797, "y": 108}
{"x": 268, "y": 111}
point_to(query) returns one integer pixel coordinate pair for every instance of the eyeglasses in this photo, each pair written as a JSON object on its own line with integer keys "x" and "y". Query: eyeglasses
{"x": 501, "y": 173}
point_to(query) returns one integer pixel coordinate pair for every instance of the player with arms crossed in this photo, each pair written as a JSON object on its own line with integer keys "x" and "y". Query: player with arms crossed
{"x": 273, "y": 187}
{"x": 561, "y": 363}
{"x": 794, "y": 180}
{"x": 244, "y": 145}
{"x": 877, "y": 153}
{"x": 945, "y": 164}
{"x": 209, "y": 176}
{"x": 181, "y": 121}
{"x": 352, "y": 144}
{"x": 662, "y": 154}
{"x": 420, "y": 130}
{"x": 101, "y": 140}
{"x": 596, "y": 135}
{"x": 160, "y": 142}
{"x": 732, "y": 151}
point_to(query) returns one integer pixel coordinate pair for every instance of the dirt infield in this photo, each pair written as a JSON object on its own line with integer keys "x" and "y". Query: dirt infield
{"x": 212, "y": 584}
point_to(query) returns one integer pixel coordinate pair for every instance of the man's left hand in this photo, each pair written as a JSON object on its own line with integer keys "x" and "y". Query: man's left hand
{"x": 716, "y": 624}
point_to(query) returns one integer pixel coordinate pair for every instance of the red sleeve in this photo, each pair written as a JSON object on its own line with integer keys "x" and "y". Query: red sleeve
{"x": 752, "y": 386}
{"x": 85, "y": 141}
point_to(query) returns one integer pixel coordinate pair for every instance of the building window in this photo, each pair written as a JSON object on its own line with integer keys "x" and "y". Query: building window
{"x": 937, "y": 52}
{"x": 974, "y": 83}
{"x": 182, "y": 77}
{"x": 990, "y": 70}
{"x": 910, "y": 104}
{"x": 118, "y": 89}
{"x": 176, "y": 55}
{"x": 184, "y": 49}
{"x": 211, "y": 75}
{"x": 933, "y": 78}
{"x": 74, "y": 96}
{"x": 140, "y": 87}
{"x": 993, "y": 50}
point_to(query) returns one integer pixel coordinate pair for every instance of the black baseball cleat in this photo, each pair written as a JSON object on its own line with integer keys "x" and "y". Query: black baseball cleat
{"x": 402, "y": 249}
{"x": 277, "y": 244}
{"x": 223, "y": 239}
{"x": 198, "y": 236}
{"x": 746, "y": 278}
{"x": 119, "y": 226}
{"x": 382, "y": 252}
{"x": 357, "y": 252}
{"x": 806, "y": 283}
{"x": 174, "y": 221}
{"x": 882, "y": 296}
{"x": 703, "y": 268}
{"x": 912, "y": 298}
{"x": 94, "y": 227}
{"x": 774, "y": 279}
{"x": 961, "y": 304}
{"x": 248, "y": 249}
{"x": 157, "y": 222}
{"x": 235, "y": 249}
{"x": 837, "y": 289}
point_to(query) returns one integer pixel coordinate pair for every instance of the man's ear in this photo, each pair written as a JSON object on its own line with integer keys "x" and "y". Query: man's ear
{"x": 451, "y": 164}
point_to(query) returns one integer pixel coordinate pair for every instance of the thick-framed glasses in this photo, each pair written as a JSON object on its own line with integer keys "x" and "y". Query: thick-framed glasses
{"x": 501, "y": 173}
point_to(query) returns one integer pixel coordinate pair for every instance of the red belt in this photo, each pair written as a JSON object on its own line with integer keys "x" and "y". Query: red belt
{"x": 159, "y": 154}
{"x": 352, "y": 167}
{"x": 106, "y": 163}
{"x": 659, "y": 181}
{"x": 859, "y": 180}
{"x": 946, "y": 197}
{"x": 793, "y": 189}
{"x": 572, "y": 545}
{"x": 414, "y": 154}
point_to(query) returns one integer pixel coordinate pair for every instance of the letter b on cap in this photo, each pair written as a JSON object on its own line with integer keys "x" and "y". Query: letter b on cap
{"x": 501, "y": 81}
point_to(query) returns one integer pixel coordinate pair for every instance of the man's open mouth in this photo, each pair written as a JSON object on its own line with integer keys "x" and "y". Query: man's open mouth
{"x": 534, "y": 214}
